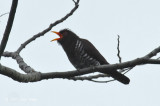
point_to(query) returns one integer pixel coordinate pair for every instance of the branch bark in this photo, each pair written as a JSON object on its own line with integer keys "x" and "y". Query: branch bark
{"x": 22, "y": 65}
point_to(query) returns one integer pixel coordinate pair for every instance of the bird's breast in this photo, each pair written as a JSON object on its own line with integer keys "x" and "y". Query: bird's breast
{"x": 80, "y": 58}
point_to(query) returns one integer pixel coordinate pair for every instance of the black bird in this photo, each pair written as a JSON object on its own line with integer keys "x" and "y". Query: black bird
{"x": 83, "y": 54}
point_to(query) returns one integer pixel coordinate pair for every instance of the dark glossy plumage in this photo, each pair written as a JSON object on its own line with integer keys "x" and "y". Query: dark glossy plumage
{"x": 82, "y": 54}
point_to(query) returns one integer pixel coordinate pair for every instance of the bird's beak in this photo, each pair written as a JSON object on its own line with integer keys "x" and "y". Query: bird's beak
{"x": 59, "y": 34}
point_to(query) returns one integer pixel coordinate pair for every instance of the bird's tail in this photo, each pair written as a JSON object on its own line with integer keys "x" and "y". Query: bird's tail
{"x": 117, "y": 76}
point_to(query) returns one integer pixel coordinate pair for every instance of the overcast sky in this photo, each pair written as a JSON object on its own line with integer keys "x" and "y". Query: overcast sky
{"x": 136, "y": 21}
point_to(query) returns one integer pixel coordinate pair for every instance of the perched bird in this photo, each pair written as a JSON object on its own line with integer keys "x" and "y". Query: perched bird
{"x": 83, "y": 54}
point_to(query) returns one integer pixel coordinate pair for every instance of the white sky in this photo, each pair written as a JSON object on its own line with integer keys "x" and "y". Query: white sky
{"x": 136, "y": 21}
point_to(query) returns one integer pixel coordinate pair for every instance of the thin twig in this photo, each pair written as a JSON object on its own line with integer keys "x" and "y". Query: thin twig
{"x": 4, "y": 14}
{"x": 48, "y": 29}
{"x": 74, "y": 1}
{"x": 8, "y": 26}
{"x": 118, "y": 54}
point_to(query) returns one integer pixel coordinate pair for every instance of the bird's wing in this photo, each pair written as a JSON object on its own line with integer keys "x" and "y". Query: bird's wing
{"x": 93, "y": 52}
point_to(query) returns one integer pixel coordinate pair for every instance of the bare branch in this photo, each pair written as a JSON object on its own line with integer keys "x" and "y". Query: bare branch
{"x": 74, "y": 1}
{"x": 22, "y": 65}
{"x": 149, "y": 55}
{"x": 153, "y": 53}
{"x": 37, "y": 76}
{"x": 49, "y": 28}
{"x": 8, "y": 26}
{"x": 71, "y": 74}
{"x": 4, "y": 14}
{"x": 31, "y": 77}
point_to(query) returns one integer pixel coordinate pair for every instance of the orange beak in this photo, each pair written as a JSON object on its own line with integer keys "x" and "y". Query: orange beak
{"x": 59, "y": 34}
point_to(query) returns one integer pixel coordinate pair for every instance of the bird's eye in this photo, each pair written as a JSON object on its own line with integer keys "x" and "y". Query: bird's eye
{"x": 64, "y": 33}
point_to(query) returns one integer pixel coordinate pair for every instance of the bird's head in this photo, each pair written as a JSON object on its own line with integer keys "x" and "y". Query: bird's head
{"x": 65, "y": 36}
